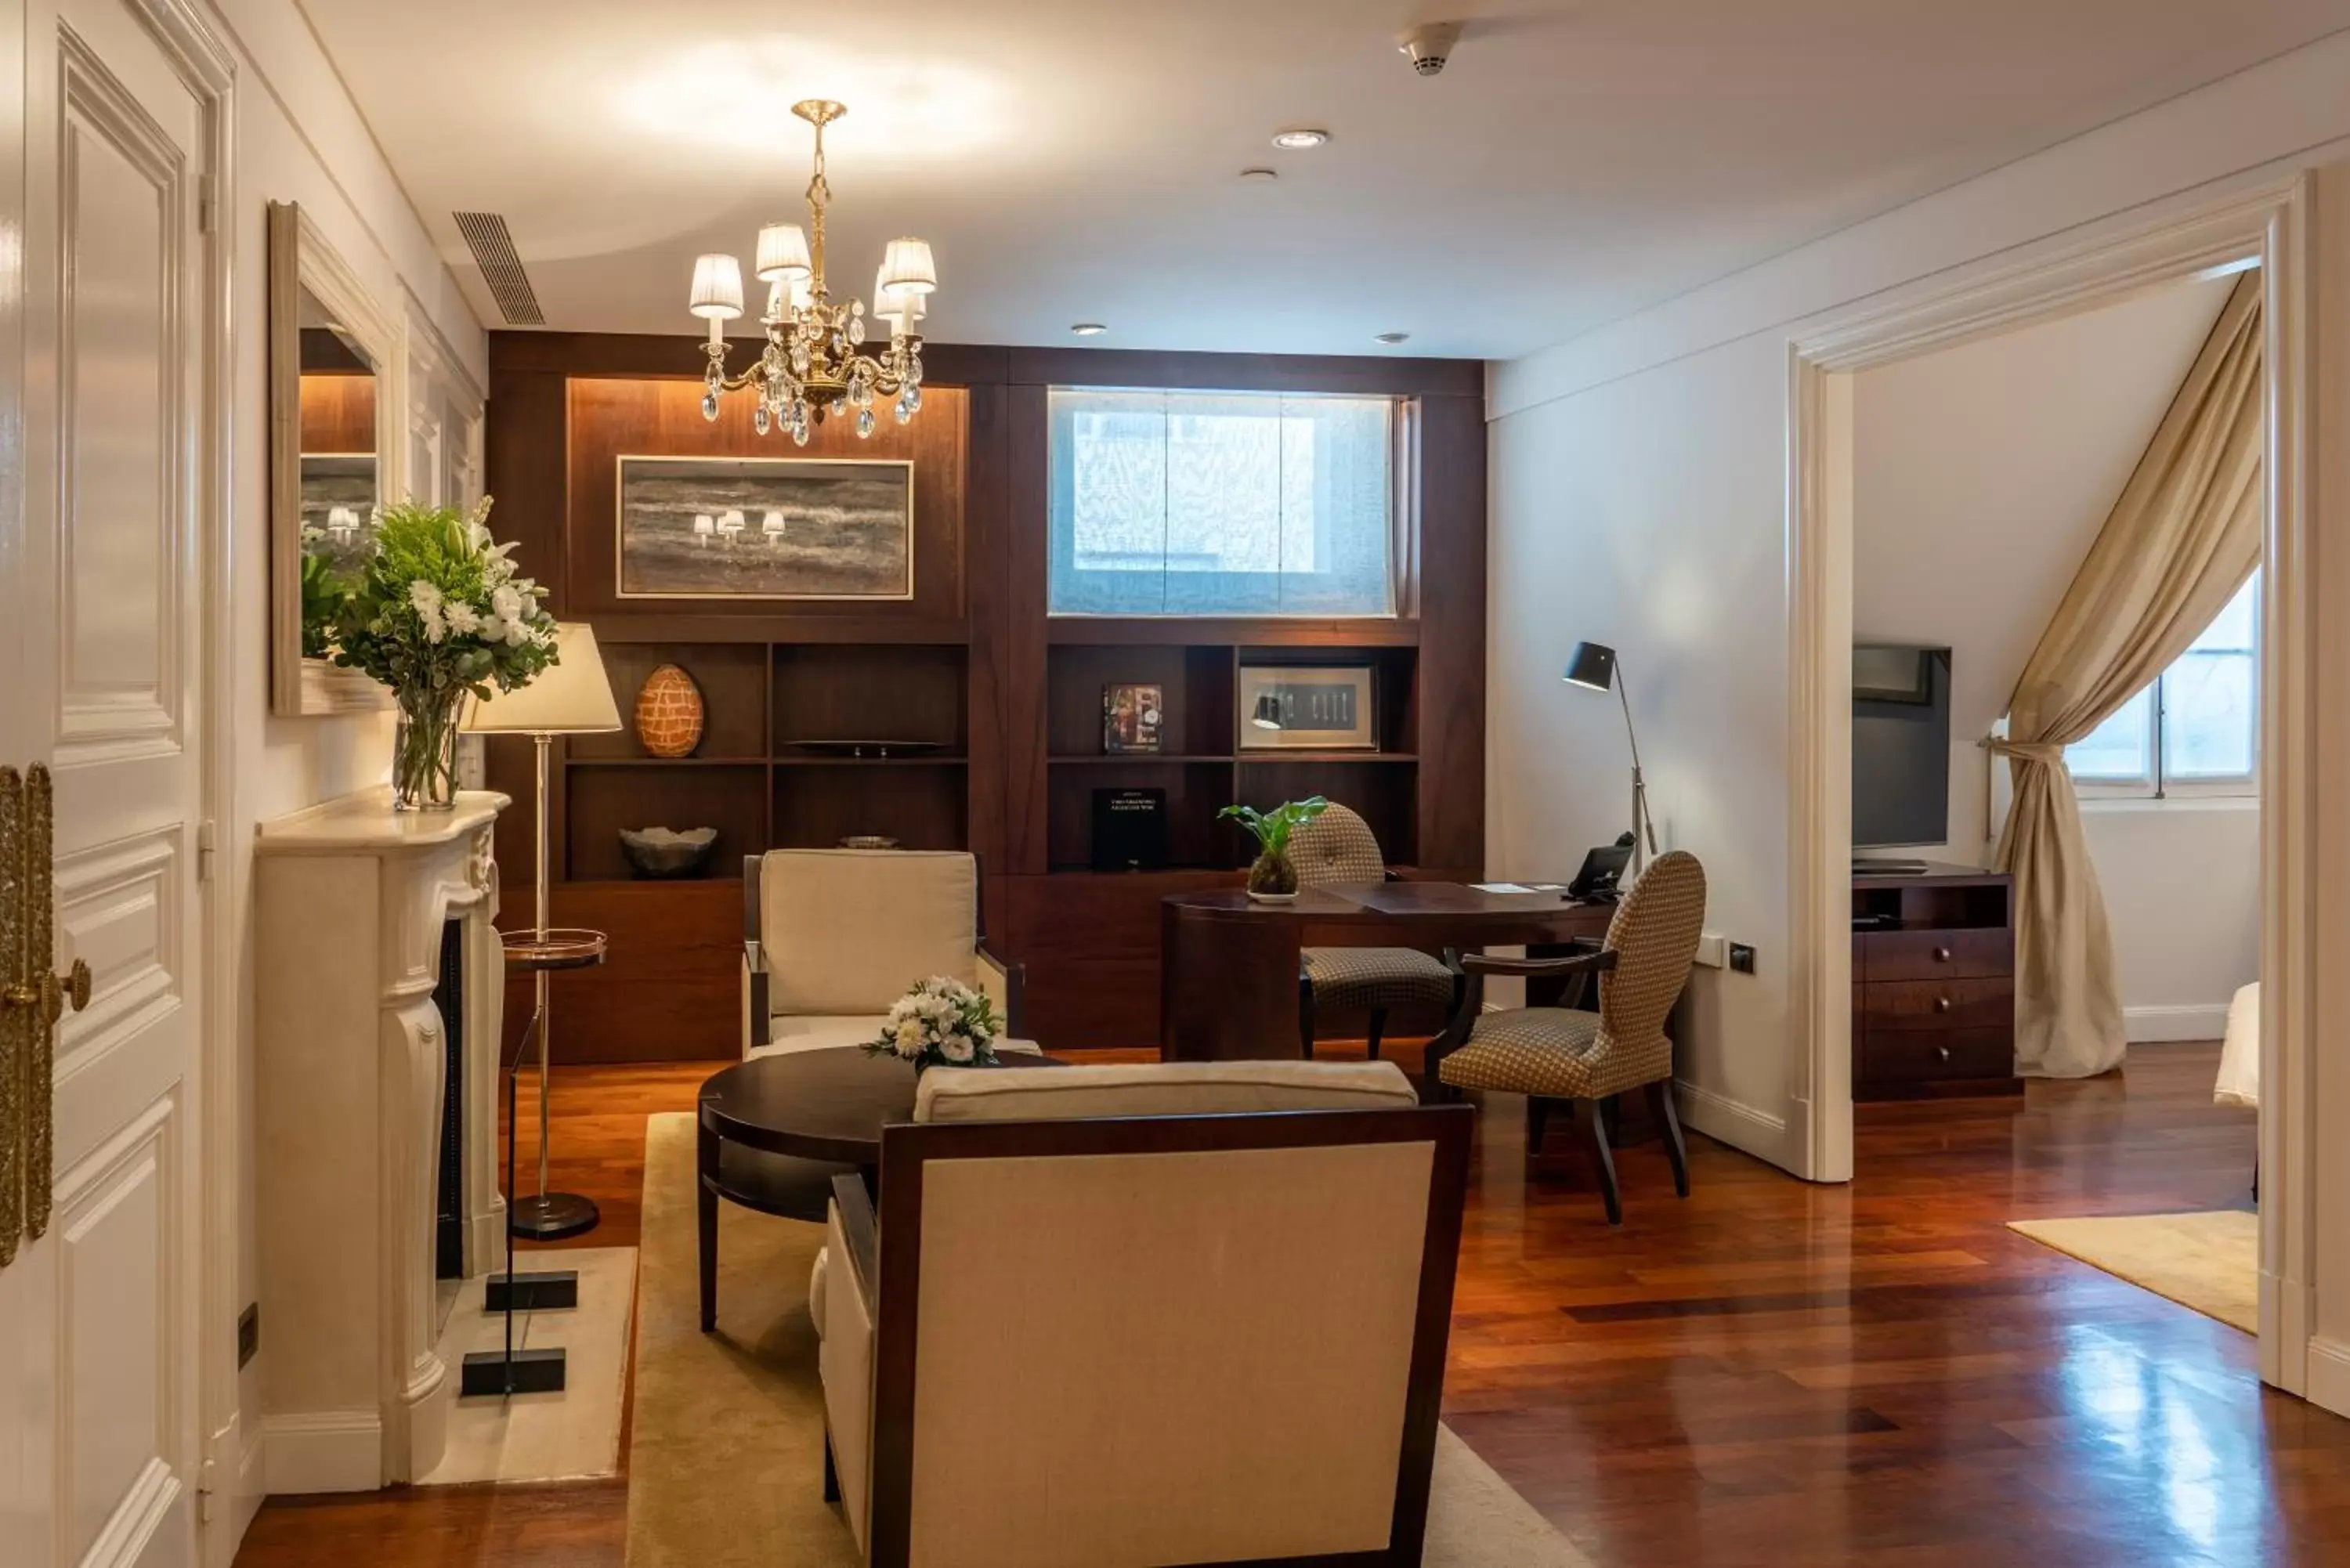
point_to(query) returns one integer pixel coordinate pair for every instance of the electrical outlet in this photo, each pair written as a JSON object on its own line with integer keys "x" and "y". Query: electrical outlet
{"x": 1712, "y": 950}
{"x": 1741, "y": 956}
{"x": 248, "y": 1334}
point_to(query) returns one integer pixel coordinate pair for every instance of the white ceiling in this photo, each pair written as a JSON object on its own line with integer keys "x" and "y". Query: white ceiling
{"x": 1078, "y": 160}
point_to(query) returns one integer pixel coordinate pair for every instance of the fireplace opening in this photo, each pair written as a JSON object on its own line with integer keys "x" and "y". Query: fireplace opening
{"x": 449, "y": 1209}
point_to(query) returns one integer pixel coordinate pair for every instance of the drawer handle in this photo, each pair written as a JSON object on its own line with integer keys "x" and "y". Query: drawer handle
{"x": 1943, "y": 1052}
{"x": 1941, "y": 955}
{"x": 1941, "y": 1005}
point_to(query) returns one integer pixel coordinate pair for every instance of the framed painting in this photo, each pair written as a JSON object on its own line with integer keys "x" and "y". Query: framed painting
{"x": 1287, "y": 707}
{"x": 764, "y": 528}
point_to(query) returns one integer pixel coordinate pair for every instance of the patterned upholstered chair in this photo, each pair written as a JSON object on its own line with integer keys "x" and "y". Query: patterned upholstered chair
{"x": 1550, "y": 1053}
{"x": 1332, "y": 850}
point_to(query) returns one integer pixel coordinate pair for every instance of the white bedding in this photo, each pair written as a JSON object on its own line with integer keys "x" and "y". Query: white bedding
{"x": 2240, "y": 1052}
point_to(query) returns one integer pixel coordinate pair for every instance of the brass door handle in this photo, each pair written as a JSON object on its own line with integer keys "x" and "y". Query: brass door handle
{"x": 59, "y": 989}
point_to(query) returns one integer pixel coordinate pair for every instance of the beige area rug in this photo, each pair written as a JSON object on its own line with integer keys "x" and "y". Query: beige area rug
{"x": 726, "y": 1452}
{"x": 570, "y": 1436}
{"x": 2211, "y": 1262}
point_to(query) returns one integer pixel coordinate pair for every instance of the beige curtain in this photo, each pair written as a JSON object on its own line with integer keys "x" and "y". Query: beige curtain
{"x": 2179, "y": 543}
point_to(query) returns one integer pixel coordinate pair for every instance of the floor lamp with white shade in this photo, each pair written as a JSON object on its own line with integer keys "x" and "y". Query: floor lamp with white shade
{"x": 570, "y": 697}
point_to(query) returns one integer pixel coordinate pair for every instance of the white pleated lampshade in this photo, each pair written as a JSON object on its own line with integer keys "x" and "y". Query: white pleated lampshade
{"x": 887, "y": 301}
{"x": 717, "y": 288}
{"x": 570, "y": 697}
{"x": 782, "y": 254}
{"x": 906, "y": 266}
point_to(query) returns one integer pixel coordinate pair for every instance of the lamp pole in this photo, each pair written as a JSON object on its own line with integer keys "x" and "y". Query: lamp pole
{"x": 1643, "y": 831}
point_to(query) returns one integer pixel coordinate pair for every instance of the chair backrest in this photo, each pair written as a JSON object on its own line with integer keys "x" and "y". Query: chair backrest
{"x": 1336, "y": 848}
{"x": 1228, "y": 1331}
{"x": 1654, "y": 936}
{"x": 850, "y": 931}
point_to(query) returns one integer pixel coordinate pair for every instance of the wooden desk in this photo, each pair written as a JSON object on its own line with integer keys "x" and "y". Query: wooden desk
{"x": 1228, "y": 965}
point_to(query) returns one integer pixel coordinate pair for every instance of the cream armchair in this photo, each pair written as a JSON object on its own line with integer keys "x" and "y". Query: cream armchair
{"x": 832, "y": 937}
{"x": 1214, "y": 1295}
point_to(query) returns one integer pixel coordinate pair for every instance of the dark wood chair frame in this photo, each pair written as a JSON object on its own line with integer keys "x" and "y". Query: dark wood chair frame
{"x": 754, "y": 956}
{"x": 1582, "y": 969}
{"x": 890, "y": 1280}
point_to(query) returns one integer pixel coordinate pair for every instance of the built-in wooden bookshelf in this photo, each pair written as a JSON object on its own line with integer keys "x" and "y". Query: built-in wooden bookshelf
{"x": 1010, "y": 695}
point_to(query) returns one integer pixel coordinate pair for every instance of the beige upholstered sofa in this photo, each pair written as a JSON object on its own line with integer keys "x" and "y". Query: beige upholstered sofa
{"x": 1165, "y": 1314}
{"x": 832, "y": 937}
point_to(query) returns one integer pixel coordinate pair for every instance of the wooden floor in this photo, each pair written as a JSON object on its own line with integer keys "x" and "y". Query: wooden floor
{"x": 1769, "y": 1373}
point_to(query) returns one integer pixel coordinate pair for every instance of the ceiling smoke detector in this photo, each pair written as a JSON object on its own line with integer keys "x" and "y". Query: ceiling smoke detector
{"x": 1429, "y": 46}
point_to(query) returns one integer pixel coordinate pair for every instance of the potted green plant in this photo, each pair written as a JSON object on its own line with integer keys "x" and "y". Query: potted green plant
{"x": 1272, "y": 880}
{"x": 439, "y": 613}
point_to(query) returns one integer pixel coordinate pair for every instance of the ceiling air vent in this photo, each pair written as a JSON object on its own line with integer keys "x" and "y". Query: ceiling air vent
{"x": 492, "y": 246}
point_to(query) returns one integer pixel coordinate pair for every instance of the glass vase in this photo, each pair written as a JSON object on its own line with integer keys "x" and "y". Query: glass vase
{"x": 424, "y": 751}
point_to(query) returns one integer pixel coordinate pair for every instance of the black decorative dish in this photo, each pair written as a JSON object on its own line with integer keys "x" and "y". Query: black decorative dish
{"x": 659, "y": 854}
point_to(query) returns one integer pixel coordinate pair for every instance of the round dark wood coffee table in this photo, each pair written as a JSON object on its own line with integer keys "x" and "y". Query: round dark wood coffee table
{"x": 772, "y": 1134}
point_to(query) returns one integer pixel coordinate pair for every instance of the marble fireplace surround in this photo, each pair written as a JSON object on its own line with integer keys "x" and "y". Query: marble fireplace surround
{"x": 350, "y": 1056}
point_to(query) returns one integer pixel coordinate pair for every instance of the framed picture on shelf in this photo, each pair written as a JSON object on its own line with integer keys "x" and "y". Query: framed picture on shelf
{"x": 1302, "y": 707}
{"x": 764, "y": 528}
{"x": 1131, "y": 718}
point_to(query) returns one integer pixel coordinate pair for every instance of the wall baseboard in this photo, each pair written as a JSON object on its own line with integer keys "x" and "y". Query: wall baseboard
{"x": 1733, "y": 1122}
{"x": 322, "y": 1450}
{"x": 2152, "y": 1025}
{"x": 2329, "y": 1375}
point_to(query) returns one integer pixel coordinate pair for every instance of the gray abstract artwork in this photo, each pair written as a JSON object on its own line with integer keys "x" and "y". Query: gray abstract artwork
{"x": 766, "y": 528}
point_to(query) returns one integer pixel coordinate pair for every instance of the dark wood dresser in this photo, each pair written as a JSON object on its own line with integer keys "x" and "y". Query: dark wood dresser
{"x": 1933, "y": 984}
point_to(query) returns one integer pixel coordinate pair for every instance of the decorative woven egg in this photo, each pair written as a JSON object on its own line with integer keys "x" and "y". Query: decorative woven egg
{"x": 669, "y": 713}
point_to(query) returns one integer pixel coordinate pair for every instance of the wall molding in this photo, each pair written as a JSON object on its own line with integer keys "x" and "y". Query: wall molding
{"x": 2156, "y": 1025}
{"x": 322, "y": 1450}
{"x": 1740, "y": 1125}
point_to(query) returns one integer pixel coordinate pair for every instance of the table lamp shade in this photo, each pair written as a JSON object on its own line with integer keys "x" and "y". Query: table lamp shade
{"x": 570, "y": 697}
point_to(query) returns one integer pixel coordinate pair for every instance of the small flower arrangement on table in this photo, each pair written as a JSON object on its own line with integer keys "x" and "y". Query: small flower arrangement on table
{"x": 942, "y": 1023}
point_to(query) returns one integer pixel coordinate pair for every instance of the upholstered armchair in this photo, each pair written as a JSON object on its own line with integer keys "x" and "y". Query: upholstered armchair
{"x": 832, "y": 937}
{"x": 1553, "y": 1053}
{"x": 1333, "y": 849}
{"x": 1182, "y": 1313}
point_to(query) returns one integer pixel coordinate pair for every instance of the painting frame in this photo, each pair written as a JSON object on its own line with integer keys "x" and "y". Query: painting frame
{"x": 780, "y": 467}
{"x": 1258, "y": 681}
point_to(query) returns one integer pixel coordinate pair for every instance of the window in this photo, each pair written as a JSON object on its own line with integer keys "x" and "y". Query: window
{"x": 1221, "y": 504}
{"x": 2197, "y": 729}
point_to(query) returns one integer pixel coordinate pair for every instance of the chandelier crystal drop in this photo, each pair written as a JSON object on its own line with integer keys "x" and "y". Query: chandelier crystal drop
{"x": 814, "y": 363}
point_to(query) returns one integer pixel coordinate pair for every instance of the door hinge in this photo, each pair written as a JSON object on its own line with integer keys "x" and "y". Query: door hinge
{"x": 207, "y": 851}
{"x": 207, "y": 205}
{"x": 207, "y": 1489}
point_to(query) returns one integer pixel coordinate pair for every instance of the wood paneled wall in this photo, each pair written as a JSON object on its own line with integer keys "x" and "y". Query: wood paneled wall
{"x": 562, "y": 405}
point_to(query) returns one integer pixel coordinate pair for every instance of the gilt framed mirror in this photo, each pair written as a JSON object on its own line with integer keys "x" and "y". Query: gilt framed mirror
{"x": 334, "y": 427}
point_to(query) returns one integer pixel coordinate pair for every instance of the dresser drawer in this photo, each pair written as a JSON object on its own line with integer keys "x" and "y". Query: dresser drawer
{"x": 1923, "y": 1055}
{"x": 1943, "y": 1004}
{"x": 1973, "y": 954}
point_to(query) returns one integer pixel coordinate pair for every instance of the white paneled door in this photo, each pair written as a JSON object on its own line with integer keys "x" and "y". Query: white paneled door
{"x": 102, "y": 316}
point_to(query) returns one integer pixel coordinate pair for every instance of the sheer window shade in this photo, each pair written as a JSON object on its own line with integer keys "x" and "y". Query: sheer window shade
{"x": 1221, "y": 504}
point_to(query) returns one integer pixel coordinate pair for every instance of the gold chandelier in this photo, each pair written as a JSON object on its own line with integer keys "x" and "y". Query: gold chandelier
{"x": 814, "y": 363}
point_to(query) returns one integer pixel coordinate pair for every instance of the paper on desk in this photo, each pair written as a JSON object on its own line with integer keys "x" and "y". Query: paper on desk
{"x": 1500, "y": 888}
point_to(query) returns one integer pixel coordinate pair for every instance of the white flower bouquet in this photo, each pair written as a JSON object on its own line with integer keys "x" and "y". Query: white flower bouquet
{"x": 941, "y": 1023}
{"x": 439, "y": 612}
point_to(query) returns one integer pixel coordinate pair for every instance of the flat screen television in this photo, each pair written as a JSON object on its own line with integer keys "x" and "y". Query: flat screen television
{"x": 1900, "y": 745}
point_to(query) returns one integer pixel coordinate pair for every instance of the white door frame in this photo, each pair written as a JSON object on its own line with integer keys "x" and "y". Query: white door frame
{"x": 2268, "y": 222}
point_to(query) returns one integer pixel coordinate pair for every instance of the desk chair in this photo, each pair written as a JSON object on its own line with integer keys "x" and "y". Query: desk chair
{"x": 1549, "y": 1053}
{"x": 1334, "y": 849}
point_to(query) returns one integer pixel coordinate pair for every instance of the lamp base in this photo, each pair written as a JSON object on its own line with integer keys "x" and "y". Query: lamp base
{"x": 553, "y": 1216}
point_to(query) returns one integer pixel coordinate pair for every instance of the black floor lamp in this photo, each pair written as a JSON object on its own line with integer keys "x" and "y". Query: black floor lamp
{"x": 1592, "y": 666}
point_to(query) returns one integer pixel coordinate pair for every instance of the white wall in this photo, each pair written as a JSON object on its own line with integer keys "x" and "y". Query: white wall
{"x": 298, "y": 139}
{"x": 1980, "y": 476}
{"x": 1640, "y": 496}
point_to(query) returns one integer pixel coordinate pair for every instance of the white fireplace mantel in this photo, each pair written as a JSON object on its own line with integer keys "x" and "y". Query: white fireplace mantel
{"x": 350, "y": 1057}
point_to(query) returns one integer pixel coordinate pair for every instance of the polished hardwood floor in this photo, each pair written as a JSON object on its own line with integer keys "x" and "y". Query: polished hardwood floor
{"x": 1769, "y": 1373}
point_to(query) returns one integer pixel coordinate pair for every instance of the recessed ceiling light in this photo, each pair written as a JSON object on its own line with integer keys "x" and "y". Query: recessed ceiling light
{"x": 1391, "y": 338}
{"x": 1299, "y": 141}
{"x": 1260, "y": 176}
{"x": 1088, "y": 328}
